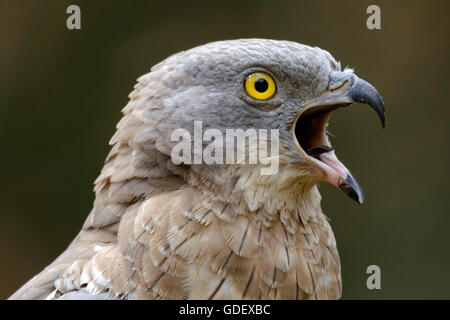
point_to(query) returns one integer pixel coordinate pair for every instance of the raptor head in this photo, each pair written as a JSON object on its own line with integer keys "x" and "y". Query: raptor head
{"x": 260, "y": 84}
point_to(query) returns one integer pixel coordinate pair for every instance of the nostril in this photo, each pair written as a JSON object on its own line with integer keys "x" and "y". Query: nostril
{"x": 335, "y": 86}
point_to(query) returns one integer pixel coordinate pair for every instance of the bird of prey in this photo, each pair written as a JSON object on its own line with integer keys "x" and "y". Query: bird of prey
{"x": 161, "y": 230}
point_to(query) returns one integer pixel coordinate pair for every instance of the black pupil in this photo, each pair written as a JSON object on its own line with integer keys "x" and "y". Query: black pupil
{"x": 261, "y": 85}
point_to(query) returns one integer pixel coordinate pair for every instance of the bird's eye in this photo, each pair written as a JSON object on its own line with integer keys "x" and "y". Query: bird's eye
{"x": 260, "y": 85}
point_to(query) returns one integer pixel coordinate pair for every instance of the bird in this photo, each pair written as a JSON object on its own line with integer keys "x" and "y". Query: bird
{"x": 160, "y": 229}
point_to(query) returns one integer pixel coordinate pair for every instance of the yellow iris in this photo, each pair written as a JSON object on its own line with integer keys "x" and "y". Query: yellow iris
{"x": 260, "y": 85}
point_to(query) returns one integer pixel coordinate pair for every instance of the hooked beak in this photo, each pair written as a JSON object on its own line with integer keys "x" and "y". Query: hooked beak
{"x": 310, "y": 134}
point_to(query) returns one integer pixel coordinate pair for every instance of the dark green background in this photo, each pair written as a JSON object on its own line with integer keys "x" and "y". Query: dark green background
{"x": 61, "y": 93}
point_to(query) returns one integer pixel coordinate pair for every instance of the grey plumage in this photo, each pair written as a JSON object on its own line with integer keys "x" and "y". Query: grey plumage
{"x": 165, "y": 231}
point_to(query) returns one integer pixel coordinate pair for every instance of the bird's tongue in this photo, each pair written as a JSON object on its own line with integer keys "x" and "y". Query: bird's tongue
{"x": 330, "y": 169}
{"x": 315, "y": 151}
{"x": 332, "y": 161}
{"x": 326, "y": 155}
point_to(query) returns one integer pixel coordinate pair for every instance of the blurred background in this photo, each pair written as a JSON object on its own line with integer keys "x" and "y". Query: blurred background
{"x": 61, "y": 93}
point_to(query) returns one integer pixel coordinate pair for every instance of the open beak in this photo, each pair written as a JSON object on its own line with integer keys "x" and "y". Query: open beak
{"x": 310, "y": 134}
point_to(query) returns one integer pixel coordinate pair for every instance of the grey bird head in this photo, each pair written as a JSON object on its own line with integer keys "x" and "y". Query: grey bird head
{"x": 261, "y": 84}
